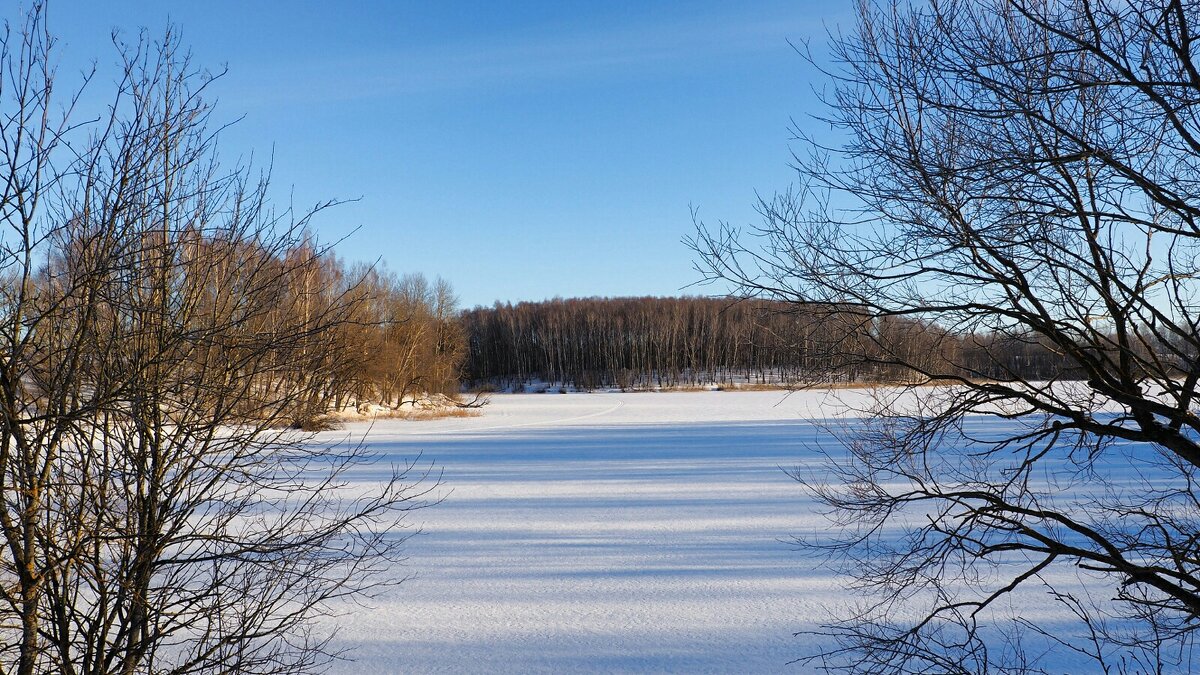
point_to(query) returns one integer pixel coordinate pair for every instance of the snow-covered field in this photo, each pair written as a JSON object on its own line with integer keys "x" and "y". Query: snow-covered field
{"x": 607, "y": 532}
{"x": 603, "y": 532}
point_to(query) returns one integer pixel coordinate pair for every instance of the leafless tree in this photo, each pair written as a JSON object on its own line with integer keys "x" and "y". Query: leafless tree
{"x": 1009, "y": 173}
{"x": 410, "y": 343}
{"x": 158, "y": 331}
{"x": 646, "y": 342}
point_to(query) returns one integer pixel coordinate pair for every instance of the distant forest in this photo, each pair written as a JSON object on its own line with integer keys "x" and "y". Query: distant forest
{"x": 406, "y": 339}
{"x": 688, "y": 341}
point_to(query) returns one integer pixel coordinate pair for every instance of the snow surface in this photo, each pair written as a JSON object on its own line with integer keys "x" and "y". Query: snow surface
{"x": 610, "y": 532}
{"x": 602, "y": 532}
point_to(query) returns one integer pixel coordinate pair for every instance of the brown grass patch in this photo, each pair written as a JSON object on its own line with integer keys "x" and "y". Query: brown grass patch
{"x": 317, "y": 423}
{"x": 436, "y": 414}
{"x": 778, "y": 386}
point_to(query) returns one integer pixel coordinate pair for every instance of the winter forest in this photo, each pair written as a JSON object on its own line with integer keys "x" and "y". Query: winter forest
{"x": 936, "y": 409}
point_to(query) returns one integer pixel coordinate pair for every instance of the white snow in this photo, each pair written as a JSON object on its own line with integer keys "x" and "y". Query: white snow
{"x": 610, "y": 532}
{"x": 605, "y": 532}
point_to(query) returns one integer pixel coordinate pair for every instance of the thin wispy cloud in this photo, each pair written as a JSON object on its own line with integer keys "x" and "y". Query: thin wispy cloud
{"x": 522, "y": 60}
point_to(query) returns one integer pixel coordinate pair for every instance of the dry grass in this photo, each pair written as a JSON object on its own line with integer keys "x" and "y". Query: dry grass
{"x": 414, "y": 414}
{"x": 779, "y": 386}
{"x": 422, "y": 415}
{"x": 317, "y": 423}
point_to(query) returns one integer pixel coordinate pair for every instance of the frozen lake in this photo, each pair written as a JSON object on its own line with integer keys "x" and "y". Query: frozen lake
{"x": 614, "y": 532}
{"x": 604, "y": 532}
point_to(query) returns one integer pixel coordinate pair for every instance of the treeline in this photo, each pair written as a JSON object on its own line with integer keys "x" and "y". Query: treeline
{"x": 670, "y": 342}
{"x": 396, "y": 338}
{"x": 411, "y": 343}
{"x": 643, "y": 342}
{"x": 303, "y": 331}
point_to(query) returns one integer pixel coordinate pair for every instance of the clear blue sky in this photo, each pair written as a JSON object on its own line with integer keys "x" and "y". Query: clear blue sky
{"x": 520, "y": 150}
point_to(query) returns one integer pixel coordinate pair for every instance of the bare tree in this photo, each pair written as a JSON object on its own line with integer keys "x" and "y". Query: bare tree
{"x": 158, "y": 331}
{"x": 645, "y": 342}
{"x": 1015, "y": 176}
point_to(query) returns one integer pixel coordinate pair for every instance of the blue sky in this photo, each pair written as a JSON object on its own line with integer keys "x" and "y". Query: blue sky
{"x": 520, "y": 151}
